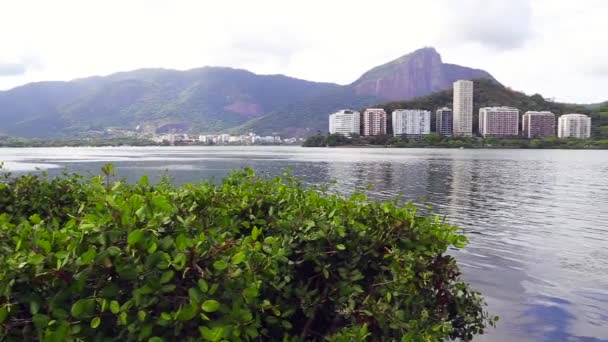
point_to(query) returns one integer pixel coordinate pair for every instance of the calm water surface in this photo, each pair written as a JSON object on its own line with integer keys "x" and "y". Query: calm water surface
{"x": 537, "y": 220}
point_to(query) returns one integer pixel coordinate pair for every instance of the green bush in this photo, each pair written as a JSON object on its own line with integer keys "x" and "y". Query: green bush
{"x": 248, "y": 259}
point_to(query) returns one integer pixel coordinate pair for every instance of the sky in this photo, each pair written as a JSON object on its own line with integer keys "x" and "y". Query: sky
{"x": 558, "y": 48}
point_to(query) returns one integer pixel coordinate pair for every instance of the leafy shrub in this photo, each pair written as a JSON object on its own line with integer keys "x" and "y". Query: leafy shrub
{"x": 248, "y": 259}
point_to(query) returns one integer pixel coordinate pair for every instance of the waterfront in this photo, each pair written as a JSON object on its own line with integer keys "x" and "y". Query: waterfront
{"x": 537, "y": 219}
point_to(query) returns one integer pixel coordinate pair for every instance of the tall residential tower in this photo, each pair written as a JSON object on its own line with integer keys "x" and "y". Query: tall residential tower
{"x": 374, "y": 121}
{"x": 463, "y": 108}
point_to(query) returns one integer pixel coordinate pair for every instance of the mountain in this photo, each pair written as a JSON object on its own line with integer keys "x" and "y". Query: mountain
{"x": 416, "y": 74}
{"x": 489, "y": 93}
{"x": 215, "y": 99}
{"x": 208, "y": 99}
{"x": 419, "y": 73}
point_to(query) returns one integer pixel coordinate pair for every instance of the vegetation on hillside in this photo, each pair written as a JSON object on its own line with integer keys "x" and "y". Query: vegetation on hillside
{"x": 203, "y": 100}
{"x": 434, "y": 140}
{"x": 25, "y": 142}
{"x": 486, "y": 93}
{"x": 248, "y": 259}
{"x": 599, "y": 122}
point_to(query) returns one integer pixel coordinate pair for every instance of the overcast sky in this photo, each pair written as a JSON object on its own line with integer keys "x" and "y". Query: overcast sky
{"x": 558, "y": 48}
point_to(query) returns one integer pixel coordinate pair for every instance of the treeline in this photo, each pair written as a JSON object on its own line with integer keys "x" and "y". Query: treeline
{"x": 61, "y": 142}
{"x": 434, "y": 140}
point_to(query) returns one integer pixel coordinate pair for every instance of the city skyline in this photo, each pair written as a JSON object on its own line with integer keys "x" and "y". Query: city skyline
{"x": 497, "y": 122}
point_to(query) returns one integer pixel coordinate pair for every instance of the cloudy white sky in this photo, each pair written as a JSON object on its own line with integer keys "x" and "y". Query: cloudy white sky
{"x": 558, "y": 48}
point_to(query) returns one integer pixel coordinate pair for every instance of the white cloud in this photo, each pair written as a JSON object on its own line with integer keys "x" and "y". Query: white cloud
{"x": 496, "y": 24}
{"x": 544, "y": 46}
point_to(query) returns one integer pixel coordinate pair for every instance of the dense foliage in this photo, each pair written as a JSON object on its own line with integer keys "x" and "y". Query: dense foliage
{"x": 599, "y": 120}
{"x": 434, "y": 140}
{"x": 248, "y": 259}
{"x": 25, "y": 142}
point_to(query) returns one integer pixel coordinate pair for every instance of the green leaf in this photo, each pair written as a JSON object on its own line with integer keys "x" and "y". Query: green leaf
{"x": 210, "y": 305}
{"x": 45, "y": 245}
{"x": 88, "y": 257}
{"x": 179, "y": 261}
{"x": 214, "y": 334}
{"x": 156, "y": 339}
{"x": 83, "y": 308}
{"x": 340, "y": 246}
{"x": 255, "y": 232}
{"x": 135, "y": 236}
{"x": 195, "y": 295}
{"x": 220, "y": 265}
{"x": 250, "y": 292}
{"x": 113, "y": 251}
{"x": 238, "y": 258}
{"x": 95, "y": 322}
{"x": 35, "y": 259}
{"x": 203, "y": 286}
{"x": 166, "y": 276}
{"x": 187, "y": 312}
{"x": 114, "y": 307}
{"x": 3, "y": 313}
{"x": 34, "y": 307}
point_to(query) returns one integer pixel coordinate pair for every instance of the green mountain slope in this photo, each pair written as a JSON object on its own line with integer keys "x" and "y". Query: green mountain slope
{"x": 207, "y": 100}
{"x": 308, "y": 116}
{"x": 489, "y": 93}
{"x": 213, "y": 100}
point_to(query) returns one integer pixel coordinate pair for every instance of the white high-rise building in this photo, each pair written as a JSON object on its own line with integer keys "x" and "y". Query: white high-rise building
{"x": 463, "y": 109}
{"x": 411, "y": 122}
{"x": 498, "y": 122}
{"x": 574, "y": 126}
{"x": 345, "y": 122}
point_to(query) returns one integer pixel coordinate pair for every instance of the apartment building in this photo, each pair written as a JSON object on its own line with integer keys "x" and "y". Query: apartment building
{"x": 499, "y": 122}
{"x": 411, "y": 123}
{"x": 374, "y": 122}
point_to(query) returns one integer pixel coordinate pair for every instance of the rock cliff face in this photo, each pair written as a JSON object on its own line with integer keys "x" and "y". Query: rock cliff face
{"x": 419, "y": 73}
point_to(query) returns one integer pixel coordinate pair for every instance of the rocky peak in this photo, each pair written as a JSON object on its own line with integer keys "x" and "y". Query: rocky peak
{"x": 416, "y": 74}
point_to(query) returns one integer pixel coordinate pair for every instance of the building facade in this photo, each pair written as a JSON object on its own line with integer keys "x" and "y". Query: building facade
{"x": 499, "y": 122}
{"x": 538, "y": 125}
{"x": 374, "y": 121}
{"x": 574, "y": 126}
{"x": 345, "y": 122}
{"x": 463, "y": 109}
{"x": 443, "y": 122}
{"x": 411, "y": 123}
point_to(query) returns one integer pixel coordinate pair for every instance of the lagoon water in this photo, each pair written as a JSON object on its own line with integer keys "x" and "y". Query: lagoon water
{"x": 537, "y": 219}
